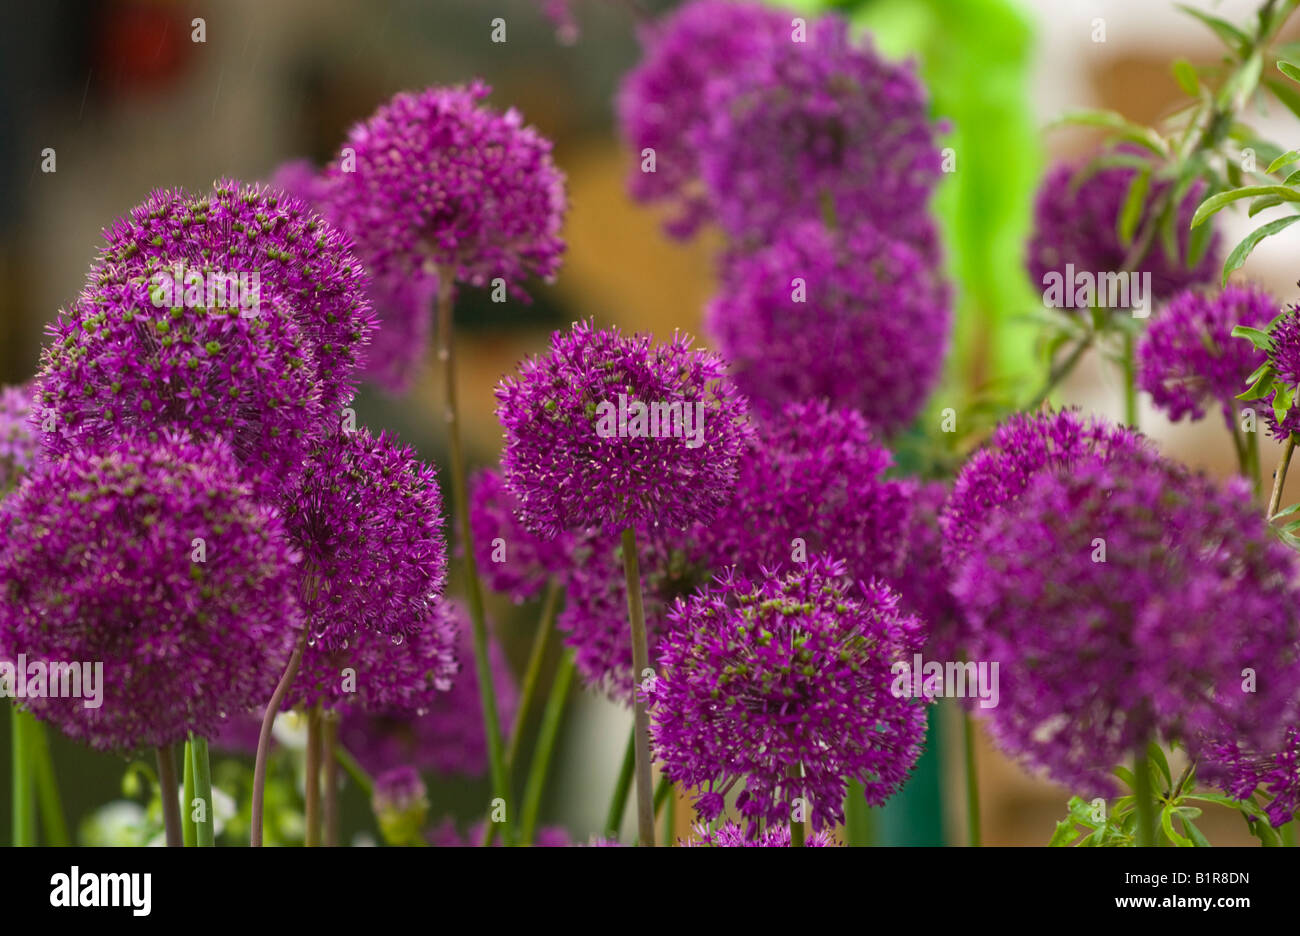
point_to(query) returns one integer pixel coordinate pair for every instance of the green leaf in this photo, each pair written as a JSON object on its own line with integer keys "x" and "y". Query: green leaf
{"x": 1186, "y": 77}
{"x": 1198, "y": 244}
{"x": 1217, "y": 202}
{"x": 1259, "y": 389}
{"x": 1127, "y": 776}
{"x": 1134, "y": 202}
{"x": 1232, "y": 37}
{"x": 1243, "y": 82}
{"x": 1263, "y": 204}
{"x": 1285, "y": 159}
{"x": 1065, "y": 834}
{"x": 1122, "y": 128}
{"x": 1255, "y": 336}
{"x": 1198, "y": 837}
{"x": 1167, "y": 823}
{"x": 1290, "y": 70}
{"x": 1282, "y": 401}
{"x": 1292, "y": 179}
{"x": 1250, "y": 242}
{"x": 1285, "y": 93}
{"x": 1161, "y": 763}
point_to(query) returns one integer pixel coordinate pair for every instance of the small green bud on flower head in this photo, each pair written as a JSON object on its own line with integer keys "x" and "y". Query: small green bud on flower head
{"x": 401, "y": 805}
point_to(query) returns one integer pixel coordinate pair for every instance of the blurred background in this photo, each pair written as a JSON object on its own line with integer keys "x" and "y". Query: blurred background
{"x": 129, "y": 102}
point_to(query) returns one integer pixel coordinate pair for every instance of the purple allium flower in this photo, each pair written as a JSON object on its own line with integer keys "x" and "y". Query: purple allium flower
{"x": 1284, "y": 357}
{"x": 1102, "y": 593}
{"x": 1021, "y": 447}
{"x": 236, "y": 228}
{"x": 154, "y": 560}
{"x": 1078, "y": 225}
{"x": 403, "y": 304}
{"x": 18, "y": 443}
{"x": 730, "y": 835}
{"x": 820, "y": 129}
{"x": 662, "y": 104}
{"x": 511, "y": 560}
{"x": 594, "y": 618}
{"x": 560, "y": 13}
{"x": 367, "y": 517}
{"x": 1188, "y": 360}
{"x": 116, "y": 364}
{"x": 815, "y": 474}
{"x": 448, "y": 738}
{"x": 786, "y": 685}
{"x": 1242, "y": 773}
{"x": 400, "y": 802}
{"x": 433, "y": 179}
{"x": 923, "y": 582}
{"x": 858, "y": 319}
{"x": 380, "y": 674}
{"x": 613, "y": 431}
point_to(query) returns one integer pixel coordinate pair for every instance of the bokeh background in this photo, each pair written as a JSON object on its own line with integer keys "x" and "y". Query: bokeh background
{"x": 129, "y": 102}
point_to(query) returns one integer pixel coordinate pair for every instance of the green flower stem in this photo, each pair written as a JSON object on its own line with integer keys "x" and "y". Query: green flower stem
{"x": 311, "y": 778}
{"x": 1279, "y": 476}
{"x": 189, "y": 835}
{"x": 354, "y": 770}
{"x": 169, "y": 793}
{"x": 264, "y": 737}
{"x": 552, "y": 716}
{"x": 972, "y": 781}
{"x": 670, "y": 815}
{"x": 1256, "y": 474}
{"x": 473, "y": 587}
{"x": 622, "y": 786}
{"x": 24, "y": 795}
{"x": 330, "y": 764}
{"x": 1145, "y": 798}
{"x": 205, "y": 830}
{"x": 1130, "y": 382}
{"x": 47, "y": 786}
{"x": 645, "y": 813}
{"x": 528, "y": 693}
{"x": 1059, "y": 373}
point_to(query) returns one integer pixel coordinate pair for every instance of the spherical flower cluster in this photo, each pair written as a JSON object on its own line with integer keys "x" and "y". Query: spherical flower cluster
{"x": 1188, "y": 360}
{"x": 730, "y": 835}
{"x": 117, "y": 364}
{"x": 367, "y": 517}
{"x": 296, "y": 254}
{"x": 511, "y": 560}
{"x": 433, "y": 179}
{"x": 1024, "y": 445}
{"x": 1284, "y": 357}
{"x": 820, "y": 129}
{"x": 594, "y": 618}
{"x": 661, "y": 105}
{"x": 1245, "y": 772}
{"x": 1101, "y": 594}
{"x": 560, "y": 13}
{"x": 813, "y": 482}
{"x": 403, "y": 304}
{"x": 614, "y": 431}
{"x": 786, "y": 685}
{"x": 448, "y": 737}
{"x": 154, "y": 560}
{"x": 18, "y": 443}
{"x": 858, "y": 319}
{"x": 1078, "y": 224}
{"x": 380, "y": 674}
{"x": 923, "y": 581}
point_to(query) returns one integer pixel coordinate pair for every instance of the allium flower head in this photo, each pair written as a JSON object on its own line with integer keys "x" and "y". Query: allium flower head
{"x": 786, "y": 685}
{"x": 403, "y": 304}
{"x": 155, "y": 561}
{"x": 436, "y": 179}
{"x": 858, "y": 319}
{"x": 448, "y": 737}
{"x": 1284, "y": 359}
{"x": 511, "y": 560}
{"x": 662, "y": 104}
{"x": 1101, "y": 593}
{"x": 367, "y": 517}
{"x": 1022, "y": 447}
{"x": 1188, "y": 360}
{"x": 237, "y": 228}
{"x": 1242, "y": 773}
{"x": 18, "y": 443}
{"x": 730, "y": 835}
{"x": 379, "y": 674}
{"x": 613, "y": 431}
{"x": 117, "y": 364}
{"x": 815, "y": 474}
{"x": 1078, "y": 224}
{"x": 822, "y": 128}
{"x": 923, "y": 581}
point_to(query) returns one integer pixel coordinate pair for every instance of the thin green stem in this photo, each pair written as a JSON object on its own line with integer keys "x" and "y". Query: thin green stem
{"x": 622, "y": 787}
{"x": 169, "y": 793}
{"x": 23, "y": 802}
{"x": 670, "y": 816}
{"x": 189, "y": 835}
{"x": 330, "y": 765}
{"x": 264, "y": 737}
{"x": 1279, "y": 476}
{"x": 47, "y": 786}
{"x": 645, "y": 813}
{"x": 354, "y": 770}
{"x": 473, "y": 587}
{"x": 311, "y": 778}
{"x": 1059, "y": 373}
{"x": 1130, "y": 382}
{"x": 205, "y": 828}
{"x": 552, "y": 716}
{"x": 973, "y": 825}
{"x": 1145, "y": 798}
{"x": 1256, "y": 474}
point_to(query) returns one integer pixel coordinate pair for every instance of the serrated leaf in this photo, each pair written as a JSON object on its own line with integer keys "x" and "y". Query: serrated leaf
{"x": 1134, "y": 202}
{"x": 1248, "y": 243}
{"x": 1221, "y": 200}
